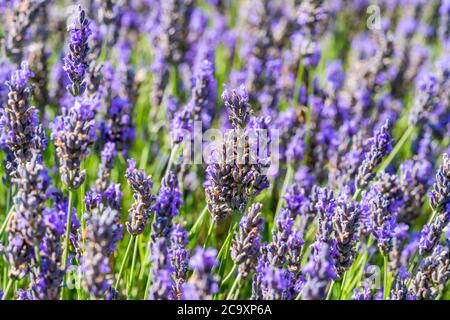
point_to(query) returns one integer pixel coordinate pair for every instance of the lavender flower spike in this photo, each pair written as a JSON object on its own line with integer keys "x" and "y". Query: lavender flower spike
{"x": 167, "y": 206}
{"x": 75, "y": 63}
{"x": 380, "y": 146}
{"x": 101, "y": 233}
{"x": 20, "y": 132}
{"x": 73, "y": 133}
{"x": 319, "y": 270}
{"x": 161, "y": 271}
{"x": 440, "y": 194}
{"x": 179, "y": 258}
{"x": 236, "y": 100}
{"x": 143, "y": 198}
{"x": 433, "y": 274}
{"x": 246, "y": 244}
{"x": 46, "y": 279}
{"x": 203, "y": 284}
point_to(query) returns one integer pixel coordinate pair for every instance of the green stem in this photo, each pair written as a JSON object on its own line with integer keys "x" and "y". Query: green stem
{"x": 133, "y": 264}
{"x": 7, "y": 218}
{"x": 330, "y": 290}
{"x": 211, "y": 227}
{"x": 199, "y": 223}
{"x": 7, "y": 289}
{"x": 229, "y": 275}
{"x": 397, "y": 148}
{"x": 233, "y": 287}
{"x": 286, "y": 182}
{"x": 386, "y": 277}
{"x": 343, "y": 283}
{"x": 68, "y": 227}
{"x": 125, "y": 258}
{"x": 147, "y": 285}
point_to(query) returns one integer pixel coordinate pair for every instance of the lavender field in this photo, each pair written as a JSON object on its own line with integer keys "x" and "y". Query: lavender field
{"x": 200, "y": 150}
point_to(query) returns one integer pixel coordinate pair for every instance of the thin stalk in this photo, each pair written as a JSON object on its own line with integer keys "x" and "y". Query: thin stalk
{"x": 386, "y": 277}
{"x": 229, "y": 275}
{"x": 286, "y": 183}
{"x": 125, "y": 258}
{"x": 5, "y": 223}
{"x": 7, "y": 289}
{"x": 147, "y": 285}
{"x": 37, "y": 255}
{"x": 68, "y": 227}
{"x": 208, "y": 235}
{"x": 330, "y": 290}
{"x": 199, "y": 223}
{"x": 233, "y": 287}
{"x": 343, "y": 282}
{"x": 133, "y": 264}
{"x": 398, "y": 146}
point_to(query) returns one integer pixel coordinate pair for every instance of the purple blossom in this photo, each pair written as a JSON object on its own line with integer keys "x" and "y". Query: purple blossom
{"x": 141, "y": 185}
{"x": 73, "y": 133}
{"x": 203, "y": 284}
{"x": 75, "y": 63}
{"x": 380, "y": 146}
{"x": 167, "y": 206}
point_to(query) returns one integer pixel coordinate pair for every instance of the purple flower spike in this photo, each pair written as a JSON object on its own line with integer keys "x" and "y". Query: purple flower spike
{"x": 75, "y": 63}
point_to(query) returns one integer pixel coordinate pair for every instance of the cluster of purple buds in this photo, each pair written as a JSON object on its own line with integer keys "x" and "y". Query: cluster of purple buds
{"x": 47, "y": 277}
{"x": 380, "y": 146}
{"x": 382, "y": 222}
{"x": 319, "y": 271}
{"x": 26, "y": 227}
{"x": 141, "y": 185}
{"x": 179, "y": 259}
{"x": 414, "y": 182}
{"x": 440, "y": 194}
{"x": 75, "y": 63}
{"x": 21, "y": 135}
{"x": 426, "y": 100}
{"x": 167, "y": 206}
{"x": 346, "y": 221}
{"x": 433, "y": 274}
{"x": 101, "y": 232}
{"x": 246, "y": 244}
{"x": 161, "y": 271}
{"x": 107, "y": 158}
{"x": 21, "y": 19}
{"x": 32, "y": 182}
{"x": 204, "y": 91}
{"x": 73, "y": 133}
{"x": 203, "y": 284}
{"x": 238, "y": 172}
{"x": 440, "y": 203}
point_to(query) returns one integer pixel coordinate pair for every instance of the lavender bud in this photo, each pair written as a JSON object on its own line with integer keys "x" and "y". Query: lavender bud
{"x": 179, "y": 259}
{"x": 75, "y": 63}
{"x": 345, "y": 224}
{"x": 380, "y": 146}
{"x": 319, "y": 270}
{"x": 167, "y": 206}
{"x": 143, "y": 198}
{"x": 73, "y": 133}
{"x": 440, "y": 194}
{"x": 20, "y": 131}
{"x": 246, "y": 244}
{"x": 382, "y": 222}
{"x": 432, "y": 275}
{"x": 101, "y": 231}
{"x": 47, "y": 277}
{"x": 203, "y": 283}
{"x": 161, "y": 271}
{"x": 236, "y": 100}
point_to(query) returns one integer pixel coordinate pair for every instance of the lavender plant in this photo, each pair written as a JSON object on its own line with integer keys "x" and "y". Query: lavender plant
{"x": 310, "y": 176}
